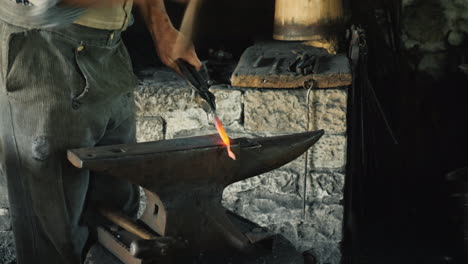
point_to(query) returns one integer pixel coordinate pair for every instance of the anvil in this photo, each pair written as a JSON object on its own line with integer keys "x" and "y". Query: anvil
{"x": 184, "y": 180}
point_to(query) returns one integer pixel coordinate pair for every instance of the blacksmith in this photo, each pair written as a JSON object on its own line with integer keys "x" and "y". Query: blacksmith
{"x": 66, "y": 82}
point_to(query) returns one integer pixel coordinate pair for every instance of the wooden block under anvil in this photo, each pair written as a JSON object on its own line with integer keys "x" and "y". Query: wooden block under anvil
{"x": 265, "y": 65}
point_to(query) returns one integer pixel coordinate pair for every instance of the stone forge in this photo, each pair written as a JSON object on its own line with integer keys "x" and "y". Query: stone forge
{"x": 166, "y": 109}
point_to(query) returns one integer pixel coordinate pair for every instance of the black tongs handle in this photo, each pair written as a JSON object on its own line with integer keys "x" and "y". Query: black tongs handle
{"x": 191, "y": 74}
{"x": 197, "y": 81}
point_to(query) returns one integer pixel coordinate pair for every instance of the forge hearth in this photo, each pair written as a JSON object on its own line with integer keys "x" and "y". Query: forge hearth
{"x": 184, "y": 180}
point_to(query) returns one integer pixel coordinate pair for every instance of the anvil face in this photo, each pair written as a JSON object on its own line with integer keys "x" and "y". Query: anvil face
{"x": 184, "y": 180}
{"x": 196, "y": 160}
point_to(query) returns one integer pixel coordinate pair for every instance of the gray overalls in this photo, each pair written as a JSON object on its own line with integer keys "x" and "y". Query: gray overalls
{"x": 60, "y": 88}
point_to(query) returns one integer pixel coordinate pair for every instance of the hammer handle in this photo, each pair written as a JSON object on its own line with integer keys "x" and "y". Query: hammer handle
{"x": 125, "y": 222}
{"x": 156, "y": 247}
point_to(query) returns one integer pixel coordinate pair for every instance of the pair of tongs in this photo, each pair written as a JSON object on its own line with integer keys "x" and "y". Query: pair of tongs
{"x": 202, "y": 86}
{"x": 198, "y": 83}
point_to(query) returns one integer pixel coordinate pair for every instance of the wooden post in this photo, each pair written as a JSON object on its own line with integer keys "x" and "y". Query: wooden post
{"x": 307, "y": 19}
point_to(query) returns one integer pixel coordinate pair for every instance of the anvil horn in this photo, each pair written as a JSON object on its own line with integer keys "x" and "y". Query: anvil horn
{"x": 272, "y": 153}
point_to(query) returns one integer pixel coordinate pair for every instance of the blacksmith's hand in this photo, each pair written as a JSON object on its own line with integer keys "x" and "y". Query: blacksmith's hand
{"x": 170, "y": 44}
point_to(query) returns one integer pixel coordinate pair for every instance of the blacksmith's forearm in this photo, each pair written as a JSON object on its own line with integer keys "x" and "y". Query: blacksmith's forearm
{"x": 155, "y": 16}
{"x": 170, "y": 44}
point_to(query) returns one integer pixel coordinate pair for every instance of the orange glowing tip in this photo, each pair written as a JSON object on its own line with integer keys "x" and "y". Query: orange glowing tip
{"x": 222, "y": 133}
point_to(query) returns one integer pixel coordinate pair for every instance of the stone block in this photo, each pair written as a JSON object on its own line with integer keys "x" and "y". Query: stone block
{"x": 323, "y": 223}
{"x": 283, "y": 181}
{"x": 175, "y": 105}
{"x": 181, "y": 110}
{"x": 185, "y": 120}
{"x": 7, "y": 248}
{"x": 417, "y": 18}
{"x": 329, "y": 153}
{"x": 325, "y": 187}
{"x": 285, "y": 111}
{"x": 328, "y": 110}
{"x": 274, "y": 200}
{"x": 3, "y": 189}
{"x": 279, "y": 181}
{"x": 275, "y": 111}
{"x": 157, "y": 98}
{"x": 288, "y": 229}
{"x": 5, "y": 222}
{"x": 269, "y": 210}
{"x": 150, "y": 129}
{"x": 321, "y": 233}
{"x": 234, "y": 130}
{"x": 270, "y": 198}
{"x": 3, "y": 195}
{"x": 326, "y": 252}
{"x": 229, "y": 104}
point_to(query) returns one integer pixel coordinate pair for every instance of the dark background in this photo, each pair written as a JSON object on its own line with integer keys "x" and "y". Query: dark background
{"x": 396, "y": 199}
{"x": 222, "y": 24}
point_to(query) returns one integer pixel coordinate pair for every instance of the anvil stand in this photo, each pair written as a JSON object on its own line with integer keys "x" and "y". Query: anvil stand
{"x": 184, "y": 221}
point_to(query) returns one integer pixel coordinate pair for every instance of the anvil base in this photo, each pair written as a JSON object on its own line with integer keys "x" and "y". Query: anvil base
{"x": 273, "y": 250}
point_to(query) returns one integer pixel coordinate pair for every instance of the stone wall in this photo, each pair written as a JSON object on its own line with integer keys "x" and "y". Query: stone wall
{"x": 166, "y": 109}
{"x": 447, "y": 21}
